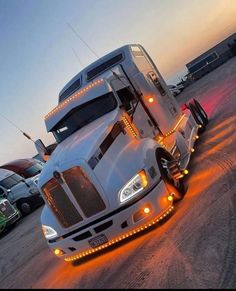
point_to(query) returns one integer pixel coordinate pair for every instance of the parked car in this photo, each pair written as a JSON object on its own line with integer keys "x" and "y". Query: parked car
{"x": 180, "y": 86}
{"x": 22, "y": 193}
{"x": 8, "y": 214}
{"x": 174, "y": 90}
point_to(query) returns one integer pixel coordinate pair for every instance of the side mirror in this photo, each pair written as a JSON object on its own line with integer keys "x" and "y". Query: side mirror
{"x": 42, "y": 150}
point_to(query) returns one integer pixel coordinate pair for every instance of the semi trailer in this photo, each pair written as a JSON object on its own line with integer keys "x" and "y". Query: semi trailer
{"x": 124, "y": 145}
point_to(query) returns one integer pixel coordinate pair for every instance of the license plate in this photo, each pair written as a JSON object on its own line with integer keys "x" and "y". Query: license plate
{"x": 98, "y": 240}
{"x": 3, "y": 209}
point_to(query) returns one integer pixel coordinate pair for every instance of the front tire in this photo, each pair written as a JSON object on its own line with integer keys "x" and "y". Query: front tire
{"x": 24, "y": 207}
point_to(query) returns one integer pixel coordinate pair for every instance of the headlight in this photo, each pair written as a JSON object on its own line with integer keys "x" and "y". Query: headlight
{"x": 34, "y": 191}
{"x": 137, "y": 184}
{"x": 49, "y": 232}
{"x": 36, "y": 180}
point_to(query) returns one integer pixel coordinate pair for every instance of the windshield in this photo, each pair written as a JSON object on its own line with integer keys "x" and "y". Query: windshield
{"x": 11, "y": 181}
{"x": 83, "y": 115}
{"x": 33, "y": 170}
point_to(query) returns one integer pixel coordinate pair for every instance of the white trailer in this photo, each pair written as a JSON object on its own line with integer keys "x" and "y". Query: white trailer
{"x": 123, "y": 147}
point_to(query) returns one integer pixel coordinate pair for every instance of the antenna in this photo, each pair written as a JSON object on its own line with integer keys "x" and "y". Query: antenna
{"x": 114, "y": 73}
{"x": 78, "y": 58}
{"x": 84, "y": 42}
{"x": 12, "y": 123}
{"x": 37, "y": 144}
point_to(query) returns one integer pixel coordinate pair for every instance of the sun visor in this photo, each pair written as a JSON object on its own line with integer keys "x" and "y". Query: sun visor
{"x": 85, "y": 94}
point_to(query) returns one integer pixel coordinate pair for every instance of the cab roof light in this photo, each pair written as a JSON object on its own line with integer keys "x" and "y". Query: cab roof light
{"x": 73, "y": 97}
{"x": 129, "y": 126}
{"x": 175, "y": 127}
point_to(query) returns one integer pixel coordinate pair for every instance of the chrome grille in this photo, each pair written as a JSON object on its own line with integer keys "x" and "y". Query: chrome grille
{"x": 60, "y": 204}
{"x": 84, "y": 191}
{"x": 6, "y": 209}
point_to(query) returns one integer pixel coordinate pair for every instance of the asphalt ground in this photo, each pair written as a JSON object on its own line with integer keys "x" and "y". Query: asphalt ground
{"x": 194, "y": 248}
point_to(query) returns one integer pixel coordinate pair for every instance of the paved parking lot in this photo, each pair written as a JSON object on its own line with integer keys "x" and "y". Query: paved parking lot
{"x": 195, "y": 248}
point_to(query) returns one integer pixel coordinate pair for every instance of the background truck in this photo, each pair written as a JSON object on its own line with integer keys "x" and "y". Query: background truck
{"x": 26, "y": 168}
{"x": 123, "y": 148}
{"x": 22, "y": 193}
{"x": 8, "y": 214}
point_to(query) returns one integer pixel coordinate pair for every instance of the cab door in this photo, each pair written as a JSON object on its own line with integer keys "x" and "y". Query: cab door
{"x": 122, "y": 87}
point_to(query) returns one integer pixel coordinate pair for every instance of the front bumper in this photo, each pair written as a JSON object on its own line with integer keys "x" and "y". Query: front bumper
{"x": 10, "y": 220}
{"x": 117, "y": 227}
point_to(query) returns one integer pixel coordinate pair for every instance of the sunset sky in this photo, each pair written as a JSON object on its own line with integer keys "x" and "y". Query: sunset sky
{"x": 39, "y": 52}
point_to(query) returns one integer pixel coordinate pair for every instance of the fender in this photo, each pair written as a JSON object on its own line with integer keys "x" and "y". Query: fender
{"x": 117, "y": 167}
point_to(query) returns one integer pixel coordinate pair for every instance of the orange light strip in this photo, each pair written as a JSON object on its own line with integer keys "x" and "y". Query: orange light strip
{"x": 129, "y": 126}
{"x": 120, "y": 238}
{"x": 176, "y": 126}
{"x": 73, "y": 97}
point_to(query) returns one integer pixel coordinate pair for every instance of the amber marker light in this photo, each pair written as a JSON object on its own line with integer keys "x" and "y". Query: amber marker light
{"x": 185, "y": 172}
{"x": 146, "y": 210}
{"x": 192, "y": 150}
{"x": 150, "y": 99}
{"x": 144, "y": 179}
{"x": 122, "y": 237}
{"x": 170, "y": 198}
{"x": 129, "y": 126}
{"x": 58, "y": 252}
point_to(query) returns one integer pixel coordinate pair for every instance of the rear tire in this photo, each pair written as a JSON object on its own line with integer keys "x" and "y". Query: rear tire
{"x": 173, "y": 186}
{"x": 201, "y": 111}
{"x": 197, "y": 117}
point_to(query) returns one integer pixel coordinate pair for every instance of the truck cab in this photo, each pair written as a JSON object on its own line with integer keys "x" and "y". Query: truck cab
{"x": 123, "y": 146}
{"x": 9, "y": 215}
{"x": 21, "y": 193}
{"x": 26, "y": 168}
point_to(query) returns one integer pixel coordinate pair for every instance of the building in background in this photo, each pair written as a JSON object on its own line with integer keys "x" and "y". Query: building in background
{"x": 210, "y": 60}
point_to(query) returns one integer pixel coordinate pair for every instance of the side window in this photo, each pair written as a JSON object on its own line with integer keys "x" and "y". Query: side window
{"x": 156, "y": 83}
{"x": 127, "y": 98}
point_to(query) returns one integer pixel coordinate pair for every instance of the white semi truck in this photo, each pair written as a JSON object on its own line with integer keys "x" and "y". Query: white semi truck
{"x": 20, "y": 192}
{"x": 124, "y": 146}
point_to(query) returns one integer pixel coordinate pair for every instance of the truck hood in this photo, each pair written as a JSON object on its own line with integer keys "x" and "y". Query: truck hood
{"x": 80, "y": 146}
{"x": 23, "y": 190}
